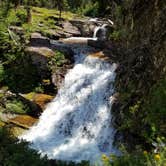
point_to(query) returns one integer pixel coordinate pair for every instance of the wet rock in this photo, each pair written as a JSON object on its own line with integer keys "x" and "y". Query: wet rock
{"x": 76, "y": 41}
{"x": 97, "y": 44}
{"x": 40, "y": 99}
{"x": 100, "y": 55}
{"x": 58, "y": 77}
{"x": 24, "y": 121}
{"x": 85, "y": 26}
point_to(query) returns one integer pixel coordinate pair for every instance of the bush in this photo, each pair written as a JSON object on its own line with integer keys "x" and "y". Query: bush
{"x": 57, "y": 61}
{"x": 16, "y": 106}
{"x": 2, "y": 72}
{"x": 21, "y": 15}
{"x": 118, "y": 34}
{"x": 155, "y": 106}
{"x": 21, "y": 75}
{"x": 90, "y": 9}
{"x": 13, "y": 153}
{"x": 138, "y": 158}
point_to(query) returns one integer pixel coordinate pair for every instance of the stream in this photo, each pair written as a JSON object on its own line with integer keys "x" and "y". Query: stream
{"x": 77, "y": 124}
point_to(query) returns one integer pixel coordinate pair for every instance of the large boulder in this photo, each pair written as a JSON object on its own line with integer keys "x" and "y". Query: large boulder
{"x": 69, "y": 28}
{"x": 87, "y": 26}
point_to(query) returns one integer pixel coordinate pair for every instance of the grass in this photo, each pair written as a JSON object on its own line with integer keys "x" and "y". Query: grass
{"x": 16, "y": 106}
{"x": 44, "y": 20}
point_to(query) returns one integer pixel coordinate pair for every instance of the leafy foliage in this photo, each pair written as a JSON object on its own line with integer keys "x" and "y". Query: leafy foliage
{"x": 16, "y": 106}
{"x": 57, "y": 60}
{"x": 138, "y": 158}
{"x": 155, "y": 106}
{"x": 1, "y": 72}
{"x": 14, "y": 153}
{"x": 21, "y": 75}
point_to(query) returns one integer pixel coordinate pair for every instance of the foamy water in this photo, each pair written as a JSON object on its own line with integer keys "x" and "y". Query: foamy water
{"x": 77, "y": 125}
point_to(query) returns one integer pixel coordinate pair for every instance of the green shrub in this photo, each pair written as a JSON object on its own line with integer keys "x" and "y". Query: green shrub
{"x": 16, "y": 106}
{"x": 21, "y": 75}
{"x": 118, "y": 34}
{"x": 90, "y": 9}
{"x": 39, "y": 89}
{"x": 13, "y": 153}
{"x": 21, "y": 15}
{"x": 57, "y": 60}
{"x": 138, "y": 158}
{"x": 2, "y": 72}
{"x": 155, "y": 106}
{"x": 12, "y": 19}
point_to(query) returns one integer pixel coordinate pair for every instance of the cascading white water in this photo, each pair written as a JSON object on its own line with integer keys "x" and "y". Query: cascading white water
{"x": 100, "y": 32}
{"x": 76, "y": 125}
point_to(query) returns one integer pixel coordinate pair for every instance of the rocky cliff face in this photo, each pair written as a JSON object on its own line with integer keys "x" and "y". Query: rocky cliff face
{"x": 142, "y": 64}
{"x": 148, "y": 29}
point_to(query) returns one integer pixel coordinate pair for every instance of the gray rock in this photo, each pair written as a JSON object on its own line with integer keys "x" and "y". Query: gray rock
{"x": 71, "y": 29}
{"x": 38, "y": 40}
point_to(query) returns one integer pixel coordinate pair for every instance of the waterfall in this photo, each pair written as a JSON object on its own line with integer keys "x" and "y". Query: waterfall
{"x": 76, "y": 125}
{"x": 100, "y": 32}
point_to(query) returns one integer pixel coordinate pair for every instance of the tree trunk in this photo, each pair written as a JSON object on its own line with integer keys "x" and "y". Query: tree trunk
{"x": 60, "y": 14}
{"x": 28, "y": 9}
{"x": 29, "y": 15}
{"x": 60, "y": 7}
{"x": 16, "y": 4}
